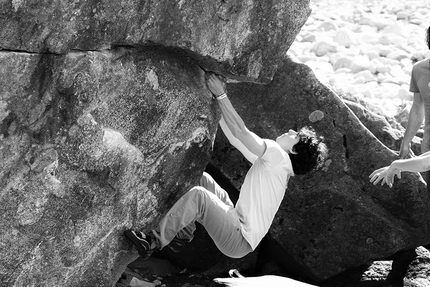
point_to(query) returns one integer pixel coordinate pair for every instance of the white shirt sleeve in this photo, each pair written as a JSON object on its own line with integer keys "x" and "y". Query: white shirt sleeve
{"x": 237, "y": 143}
{"x": 273, "y": 155}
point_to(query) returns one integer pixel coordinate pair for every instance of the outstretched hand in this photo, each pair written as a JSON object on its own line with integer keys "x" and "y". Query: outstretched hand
{"x": 386, "y": 174}
{"x": 215, "y": 85}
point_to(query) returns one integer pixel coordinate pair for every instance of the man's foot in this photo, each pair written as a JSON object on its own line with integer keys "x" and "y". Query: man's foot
{"x": 143, "y": 243}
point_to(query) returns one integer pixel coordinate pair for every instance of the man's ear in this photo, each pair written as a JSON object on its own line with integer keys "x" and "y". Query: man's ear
{"x": 291, "y": 151}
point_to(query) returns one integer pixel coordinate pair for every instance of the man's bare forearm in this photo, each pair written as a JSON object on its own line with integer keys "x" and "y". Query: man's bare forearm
{"x": 232, "y": 119}
{"x": 417, "y": 164}
{"x": 424, "y": 154}
{"x": 416, "y": 117}
{"x": 236, "y": 143}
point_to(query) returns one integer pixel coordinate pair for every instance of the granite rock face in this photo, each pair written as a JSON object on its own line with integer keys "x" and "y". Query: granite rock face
{"x": 93, "y": 143}
{"x": 334, "y": 218}
{"x": 245, "y": 39}
{"x": 105, "y": 120}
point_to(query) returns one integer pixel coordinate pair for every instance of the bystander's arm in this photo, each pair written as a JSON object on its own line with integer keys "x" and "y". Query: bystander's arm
{"x": 386, "y": 174}
{"x": 416, "y": 117}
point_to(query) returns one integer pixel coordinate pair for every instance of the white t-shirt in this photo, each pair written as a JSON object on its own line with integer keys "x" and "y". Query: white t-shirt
{"x": 262, "y": 192}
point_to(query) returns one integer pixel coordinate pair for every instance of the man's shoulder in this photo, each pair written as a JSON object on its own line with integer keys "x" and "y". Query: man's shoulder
{"x": 273, "y": 149}
{"x": 272, "y": 144}
{"x": 269, "y": 141}
{"x": 421, "y": 64}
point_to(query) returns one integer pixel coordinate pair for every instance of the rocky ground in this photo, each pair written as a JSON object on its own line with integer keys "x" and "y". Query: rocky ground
{"x": 412, "y": 270}
{"x": 365, "y": 50}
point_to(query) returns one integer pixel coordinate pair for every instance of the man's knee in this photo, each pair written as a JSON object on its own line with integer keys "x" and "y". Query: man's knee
{"x": 201, "y": 198}
{"x": 205, "y": 179}
{"x": 198, "y": 192}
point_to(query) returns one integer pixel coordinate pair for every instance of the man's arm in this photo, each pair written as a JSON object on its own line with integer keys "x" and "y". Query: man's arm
{"x": 424, "y": 154}
{"x": 416, "y": 116}
{"x": 234, "y": 122}
{"x": 417, "y": 164}
{"x": 236, "y": 143}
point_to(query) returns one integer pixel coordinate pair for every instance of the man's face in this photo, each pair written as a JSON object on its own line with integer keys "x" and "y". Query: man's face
{"x": 288, "y": 140}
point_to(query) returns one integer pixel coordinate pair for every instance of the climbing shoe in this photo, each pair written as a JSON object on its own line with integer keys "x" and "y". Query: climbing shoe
{"x": 142, "y": 242}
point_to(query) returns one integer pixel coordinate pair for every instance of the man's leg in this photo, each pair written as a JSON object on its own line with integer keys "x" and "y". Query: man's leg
{"x": 234, "y": 245}
{"x": 223, "y": 181}
{"x": 219, "y": 219}
{"x": 210, "y": 184}
{"x": 206, "y": 181}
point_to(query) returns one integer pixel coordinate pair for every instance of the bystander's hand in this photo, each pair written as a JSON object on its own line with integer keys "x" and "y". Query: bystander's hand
{"x": 386, "y": 174}
{"x": 406, "y": 151}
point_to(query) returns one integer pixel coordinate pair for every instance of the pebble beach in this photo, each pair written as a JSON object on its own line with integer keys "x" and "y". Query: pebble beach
{"x": 366, "y": 48}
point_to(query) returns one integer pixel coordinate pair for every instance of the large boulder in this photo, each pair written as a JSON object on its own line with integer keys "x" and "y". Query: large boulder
{"x": 245, "y": 39}
{"x": 93, "y": 143}
{"x": 388, "y": 129}
{"x": 334, "y": 218}
{"x": 378, "y": 125}
{"x": 105, "y": 120}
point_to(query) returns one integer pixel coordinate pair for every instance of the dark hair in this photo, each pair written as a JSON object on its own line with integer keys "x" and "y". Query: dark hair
{"x": 309, "y": 153}
{"x": 428, "y": 37}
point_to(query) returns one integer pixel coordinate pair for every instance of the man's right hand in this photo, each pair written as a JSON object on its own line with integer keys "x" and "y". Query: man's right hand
{"x": 406, "y": 151}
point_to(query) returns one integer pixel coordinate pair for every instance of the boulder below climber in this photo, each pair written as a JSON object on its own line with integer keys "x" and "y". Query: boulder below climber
{"x": 93, "y": 143}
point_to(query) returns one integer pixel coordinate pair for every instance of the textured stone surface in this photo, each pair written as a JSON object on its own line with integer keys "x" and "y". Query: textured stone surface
{"x": 93, "y": 143}
{"x": 102, "y": 128}
{"x": 241, "y": 38}
{"x": 105, "y": 120}
{"x": 378, "y": 125}
{"x": 389, "y": 130}
{"x": 418, "y": 273}
{"x": 332, "y": 219}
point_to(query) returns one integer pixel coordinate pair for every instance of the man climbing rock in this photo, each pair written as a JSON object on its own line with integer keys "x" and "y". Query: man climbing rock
{"x": 236, "y": 230}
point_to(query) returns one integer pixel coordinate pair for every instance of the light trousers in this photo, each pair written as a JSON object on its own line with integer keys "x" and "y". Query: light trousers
{"x": 211, "y": 206}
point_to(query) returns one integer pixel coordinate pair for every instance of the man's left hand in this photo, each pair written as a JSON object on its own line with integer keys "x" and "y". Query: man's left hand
{"x": 386, "y": 174}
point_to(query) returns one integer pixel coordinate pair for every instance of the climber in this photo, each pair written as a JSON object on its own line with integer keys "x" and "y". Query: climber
{"x": 236, "y": 230}
{"x": 420, "y": 163}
